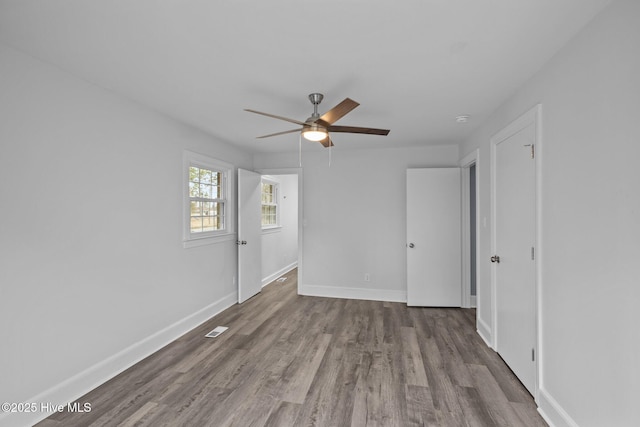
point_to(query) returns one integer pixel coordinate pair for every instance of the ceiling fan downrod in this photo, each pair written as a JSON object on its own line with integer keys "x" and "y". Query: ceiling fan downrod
{"x": 316, "y": 99}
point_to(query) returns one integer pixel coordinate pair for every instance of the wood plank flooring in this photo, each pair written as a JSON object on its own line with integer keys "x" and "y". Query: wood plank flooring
{"x": 290, "y": 360}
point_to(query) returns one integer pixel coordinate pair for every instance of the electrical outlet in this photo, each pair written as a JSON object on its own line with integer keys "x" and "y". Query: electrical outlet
{"x": 367, "y": 277}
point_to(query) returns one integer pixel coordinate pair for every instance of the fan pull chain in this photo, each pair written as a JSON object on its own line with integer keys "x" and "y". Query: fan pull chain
{"x": 330, "y": 144}
{"x": 300, "y": 150}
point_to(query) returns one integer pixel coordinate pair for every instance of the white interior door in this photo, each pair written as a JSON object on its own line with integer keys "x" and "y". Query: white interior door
{"x": 434, "y": 276}
{"x": 249, "y": 235}
{"x": 514, "y": 249}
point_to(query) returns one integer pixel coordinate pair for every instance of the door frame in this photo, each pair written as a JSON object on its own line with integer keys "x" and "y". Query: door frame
{"x": 532, "y": 116}
{"x": 298, "y": 172}
{"x": 469, "y": 160}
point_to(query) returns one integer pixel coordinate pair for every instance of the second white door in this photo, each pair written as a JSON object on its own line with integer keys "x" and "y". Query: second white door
{"x": 514, "y": 248}
{"x": 434, "y": 254}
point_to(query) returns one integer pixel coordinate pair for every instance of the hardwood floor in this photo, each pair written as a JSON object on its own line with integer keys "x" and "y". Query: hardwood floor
{"x": 290, "y": 360}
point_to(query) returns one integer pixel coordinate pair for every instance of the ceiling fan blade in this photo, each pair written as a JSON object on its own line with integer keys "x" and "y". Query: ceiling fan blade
{"x": 276, "y": 117}
{"x": 279, "y": 133}
{"x": 339, "y": 111}
{"x": 326, "y": 142}
{"x": 355, "y": 129}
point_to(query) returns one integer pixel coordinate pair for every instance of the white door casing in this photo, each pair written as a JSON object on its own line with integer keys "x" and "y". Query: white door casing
{"x": 514, "y": 247}
{"x": 249, "y": 235}
{"x": 434, "y": 276}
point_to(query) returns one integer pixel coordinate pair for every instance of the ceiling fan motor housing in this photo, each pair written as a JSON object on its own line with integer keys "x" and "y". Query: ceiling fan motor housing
{"x": 316, "y": 98}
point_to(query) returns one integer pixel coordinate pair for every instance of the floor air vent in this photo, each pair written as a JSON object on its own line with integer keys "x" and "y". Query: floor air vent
{"x": 217, "y": 331}
{"x": 282, "y": 279}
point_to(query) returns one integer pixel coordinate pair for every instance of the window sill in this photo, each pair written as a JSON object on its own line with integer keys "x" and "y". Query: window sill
{"x": 208, "y": 240}
{"x": 272, "y": 229}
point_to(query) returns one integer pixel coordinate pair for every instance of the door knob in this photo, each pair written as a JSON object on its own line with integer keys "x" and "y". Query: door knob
{"x": 239, "y": 242}
{"x": 495, "y": 258}
{"x": 411, "y": 245}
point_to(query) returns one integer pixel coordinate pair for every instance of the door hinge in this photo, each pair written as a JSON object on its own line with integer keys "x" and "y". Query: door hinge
{"x": 533, "y": 253}
{"x": 533, "y": 150}
{"x": 533, "y": 355}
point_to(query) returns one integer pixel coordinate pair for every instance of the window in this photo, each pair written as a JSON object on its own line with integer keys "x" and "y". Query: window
{"x": 206, "y": 200}
{"x": 270, "y": 210}
{"x": 208, "y": 207}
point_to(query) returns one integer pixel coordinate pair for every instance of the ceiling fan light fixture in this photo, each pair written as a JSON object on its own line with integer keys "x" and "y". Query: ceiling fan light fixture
{"x": 316, "y": 128}
{"x": 314, "y": 133}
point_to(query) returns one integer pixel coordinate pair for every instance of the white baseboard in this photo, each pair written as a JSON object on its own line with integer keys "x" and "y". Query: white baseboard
{"x": 552, "y": 412}
{"x": 270, "y": 278}
{"x": 485, "y": 332}
{"x": 473, "y": 301}
{"x": 354, "y": 293}
{"x": 73, "y": 388}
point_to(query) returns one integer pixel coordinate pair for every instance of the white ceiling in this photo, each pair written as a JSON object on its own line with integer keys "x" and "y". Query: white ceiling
{"x": 413, "y": 65}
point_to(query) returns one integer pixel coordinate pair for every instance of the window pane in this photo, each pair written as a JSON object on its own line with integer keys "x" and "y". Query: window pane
{"x": 267, "y": 193}
{"x": 194, "y": 174}
{"x": 207, "y": 216}
{"x": 205, "y": 176}
{"x": 269, "y": 215}
{"x": 194, "y": 190}
{"x": 196, "y": 224}
{"x": 196, "y": 208}
{"x": 205, "y": 191}
{"x": 206, "y": 208}
{"x": 205, "y": 183}
{"x": 209, "y": 223}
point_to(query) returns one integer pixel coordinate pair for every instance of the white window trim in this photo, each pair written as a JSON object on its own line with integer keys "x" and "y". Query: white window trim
{"x": 209, "y": 237}
{"x": 277, "y": 226}
{"x": 271, "y": 229}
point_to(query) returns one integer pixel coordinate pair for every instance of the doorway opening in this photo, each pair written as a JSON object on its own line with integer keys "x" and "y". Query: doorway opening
{"x": 282, "y": 234}
{"x": 470, "y": 229}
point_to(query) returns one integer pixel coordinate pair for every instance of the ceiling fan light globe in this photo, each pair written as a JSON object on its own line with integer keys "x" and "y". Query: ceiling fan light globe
{"x": 314, "y": 135}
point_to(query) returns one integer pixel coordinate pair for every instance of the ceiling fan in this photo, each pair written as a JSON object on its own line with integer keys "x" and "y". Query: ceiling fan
{"x": 317, "y": 127}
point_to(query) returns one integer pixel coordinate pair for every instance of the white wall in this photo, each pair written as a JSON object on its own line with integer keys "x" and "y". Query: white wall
{"x": 590, "y": 187}
{"x": 355, "y": 217}
{"x": 92, "y": 270}
{"x": 280, "y": 245}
